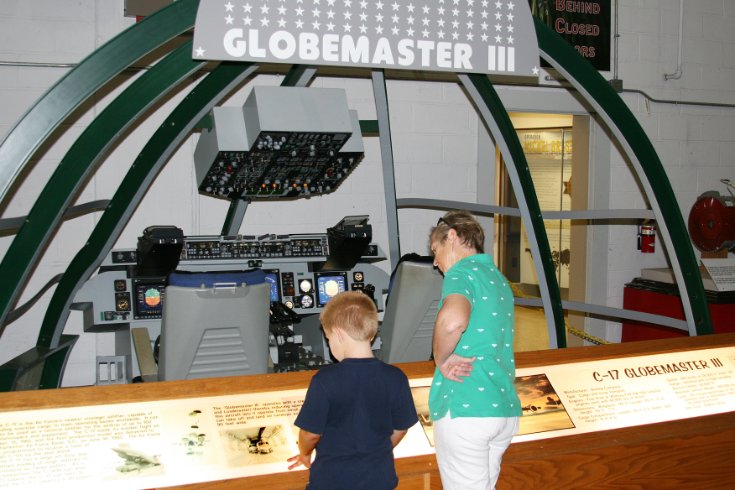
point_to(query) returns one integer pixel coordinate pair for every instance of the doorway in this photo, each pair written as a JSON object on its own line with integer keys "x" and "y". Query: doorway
{"x": 556, "y": 147}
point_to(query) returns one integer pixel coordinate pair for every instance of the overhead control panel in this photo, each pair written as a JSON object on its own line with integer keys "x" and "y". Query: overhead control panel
{"x": 285, "y": 142}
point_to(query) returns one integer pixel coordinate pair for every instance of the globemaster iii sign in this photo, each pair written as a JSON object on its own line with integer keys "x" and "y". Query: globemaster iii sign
{"x": 475, "y": 36}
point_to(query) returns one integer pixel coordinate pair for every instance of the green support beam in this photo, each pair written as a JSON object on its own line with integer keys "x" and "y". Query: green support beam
{"x": 177, "y": 127}
{"x": 496, "y": 119}
{"x": 49, "y": 112}
{"x": 80, "y": 161}
{"x": 83, "y": 82}
{"x": 77, "y": 86}
{"x": 642, "y": 155}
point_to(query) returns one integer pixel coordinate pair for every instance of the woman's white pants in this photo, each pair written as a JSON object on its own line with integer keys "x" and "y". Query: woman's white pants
{"x": 469, "y": 450}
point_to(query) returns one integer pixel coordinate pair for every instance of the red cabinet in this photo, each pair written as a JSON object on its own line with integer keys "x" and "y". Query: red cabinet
{"x": 663, "y": 299}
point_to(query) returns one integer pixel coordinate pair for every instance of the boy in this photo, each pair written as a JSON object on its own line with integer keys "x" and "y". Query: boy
{"x": 355, "y": 411}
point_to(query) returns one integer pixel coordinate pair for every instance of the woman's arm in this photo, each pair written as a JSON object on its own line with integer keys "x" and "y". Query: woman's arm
{"x": 451, "y": 322}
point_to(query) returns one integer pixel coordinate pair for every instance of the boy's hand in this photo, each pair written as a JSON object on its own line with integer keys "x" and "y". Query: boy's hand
{"x": 298, "y": 460}
{"x": 456, "y": 367}
{"x": 307, "y": 443}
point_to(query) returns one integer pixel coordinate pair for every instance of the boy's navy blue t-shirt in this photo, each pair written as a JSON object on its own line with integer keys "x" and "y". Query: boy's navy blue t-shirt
{"x": 355, "y": 405}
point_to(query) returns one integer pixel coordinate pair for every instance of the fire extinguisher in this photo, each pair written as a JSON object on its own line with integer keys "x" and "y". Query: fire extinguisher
{"x": 647, "y": 237}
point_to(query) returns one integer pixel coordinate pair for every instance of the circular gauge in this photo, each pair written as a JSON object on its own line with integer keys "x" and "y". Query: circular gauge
{"x": 305, "y": 286}
{"x": 289, "y": 303}
{"x": 358, "y": 276}
{"x": 122, "y": 304}
{"x": 331, "y": 288}
{"x": 152, "y": 297}
{"x": 307, "y": 301}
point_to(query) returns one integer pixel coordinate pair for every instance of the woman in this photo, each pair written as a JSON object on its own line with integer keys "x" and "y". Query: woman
{"x": 473, "y": 401}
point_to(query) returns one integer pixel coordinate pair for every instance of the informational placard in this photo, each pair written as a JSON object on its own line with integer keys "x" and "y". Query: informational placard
{"x": 722, "y": 272}
{"x": 172, "y": 442}
{"x": 151, "y": 444}
{"x": 473, "y": 36}
{"x": 616, "y": 393}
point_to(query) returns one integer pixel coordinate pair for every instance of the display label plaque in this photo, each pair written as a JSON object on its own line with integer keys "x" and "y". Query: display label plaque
{"x": 473, "y": 36}
{"x": 173, "y": 442}
{"x": 722, "y": 272}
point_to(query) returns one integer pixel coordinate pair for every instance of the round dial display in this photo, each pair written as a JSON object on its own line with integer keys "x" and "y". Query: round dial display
{"x": 152, "y": 297}
{"x": 307, "y": 301}
{"x": 305, "y": 286}
{"x": 331, "y": 288}
{"x": 123, "y": 304}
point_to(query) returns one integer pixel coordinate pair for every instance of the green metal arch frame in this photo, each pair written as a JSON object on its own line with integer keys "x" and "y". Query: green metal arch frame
{"x": 79, "y": 161}
{"x": 52, "y": 109}
{"x": 177, "y": 126}
{"x": 40, "y": 121}
{"x": 111, "y": 59}
{"x": 496, "y": 119}
{"x": 650, "y": 171}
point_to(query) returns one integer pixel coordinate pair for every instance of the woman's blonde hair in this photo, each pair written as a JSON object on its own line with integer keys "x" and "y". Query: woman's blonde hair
{"x": 464, "y": 224}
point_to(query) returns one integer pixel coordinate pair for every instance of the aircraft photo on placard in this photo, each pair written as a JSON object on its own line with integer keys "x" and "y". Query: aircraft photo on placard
{"x": 543, "y": 411}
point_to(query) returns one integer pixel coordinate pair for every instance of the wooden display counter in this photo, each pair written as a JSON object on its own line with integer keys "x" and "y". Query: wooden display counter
{"x": 689, "y": 453}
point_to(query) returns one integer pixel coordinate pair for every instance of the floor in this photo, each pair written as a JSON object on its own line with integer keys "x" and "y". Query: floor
{"x": 531, "y": 332}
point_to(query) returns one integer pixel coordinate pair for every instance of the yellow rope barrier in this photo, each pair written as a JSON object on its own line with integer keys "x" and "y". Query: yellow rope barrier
{"x": 518, "y": 293}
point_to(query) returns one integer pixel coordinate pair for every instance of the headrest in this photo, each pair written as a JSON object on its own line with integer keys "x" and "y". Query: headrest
{"x": 210, "y": 279}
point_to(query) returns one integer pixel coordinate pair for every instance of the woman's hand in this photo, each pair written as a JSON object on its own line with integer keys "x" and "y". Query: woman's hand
{"x": 456, "y": 367}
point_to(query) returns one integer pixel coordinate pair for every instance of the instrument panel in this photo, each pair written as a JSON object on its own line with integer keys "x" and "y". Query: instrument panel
{"x": 291, "y": 263}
